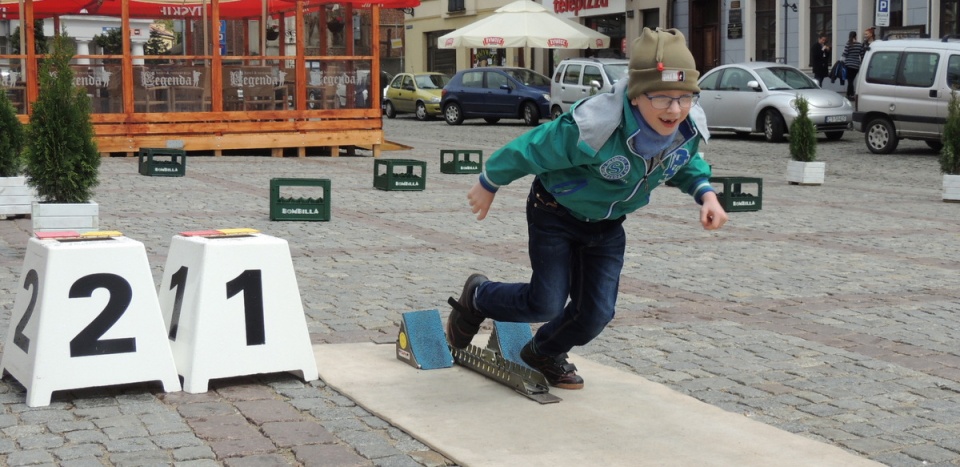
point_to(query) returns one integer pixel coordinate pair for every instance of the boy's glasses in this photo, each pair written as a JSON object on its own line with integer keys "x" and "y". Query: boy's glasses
{"x": 664, "y": 102}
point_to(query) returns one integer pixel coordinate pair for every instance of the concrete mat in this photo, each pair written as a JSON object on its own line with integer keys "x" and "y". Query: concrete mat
{"x": 618, "y": 419}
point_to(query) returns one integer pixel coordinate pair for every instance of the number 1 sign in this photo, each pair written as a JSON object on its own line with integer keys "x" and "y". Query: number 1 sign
{"x": 80, "y": 321}
{"x": 232, "y": 307}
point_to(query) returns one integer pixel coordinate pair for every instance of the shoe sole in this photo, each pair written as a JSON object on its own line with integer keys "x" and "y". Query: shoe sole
{"x": 568, "y": 386}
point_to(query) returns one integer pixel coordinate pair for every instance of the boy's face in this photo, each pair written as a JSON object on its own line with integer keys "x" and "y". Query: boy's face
{"x": 663, "y": 121}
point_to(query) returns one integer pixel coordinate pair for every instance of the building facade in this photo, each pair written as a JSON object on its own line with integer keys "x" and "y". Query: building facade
{"x": 718, "y": 31}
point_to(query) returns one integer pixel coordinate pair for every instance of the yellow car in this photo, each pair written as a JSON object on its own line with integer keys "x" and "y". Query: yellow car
{"x": 417, "y": 93}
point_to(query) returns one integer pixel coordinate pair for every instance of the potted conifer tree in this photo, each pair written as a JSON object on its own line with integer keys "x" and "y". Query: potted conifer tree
{"x": 803, "y": 168}
{"x": 16, "y": 196}
{"x": 950, "y": 152}
{"x": 61, "y": 157}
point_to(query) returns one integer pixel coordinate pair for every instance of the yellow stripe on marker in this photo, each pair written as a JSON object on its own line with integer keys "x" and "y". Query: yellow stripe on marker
{"x": 241, "y": 231}
{"x": 220, "y": 233}
{"x": 102, "y": 233}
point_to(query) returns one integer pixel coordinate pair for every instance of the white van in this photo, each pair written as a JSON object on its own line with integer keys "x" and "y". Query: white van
{"x": 903, "y": 89}
{"x": 576, "y": 78}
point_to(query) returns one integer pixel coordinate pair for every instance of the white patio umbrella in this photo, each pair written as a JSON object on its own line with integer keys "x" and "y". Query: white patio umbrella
{"x": 524, "y": 24}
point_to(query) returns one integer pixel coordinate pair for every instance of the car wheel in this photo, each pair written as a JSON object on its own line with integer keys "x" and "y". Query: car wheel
{"x": 422, "y": 112}
{"x": 390, "y": 111}
{"x": 531, "y": 116}
{"x": 773, "y": 126}
{"x": 556, "y": 112}
{"x": 452, "y": 114}
{"x": 491, "y": 120}
{"x": 834, "y": 135}
{"x": 935, "y": 145}
{"x": 880, "y": 136}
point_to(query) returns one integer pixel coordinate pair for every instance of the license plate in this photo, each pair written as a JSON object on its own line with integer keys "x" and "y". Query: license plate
{"x": 836, "y": 119}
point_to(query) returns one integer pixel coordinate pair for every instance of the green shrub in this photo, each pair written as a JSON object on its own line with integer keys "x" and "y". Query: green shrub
{"x": 11, "y": 138}
{"x": 803, "y": 135}
{"x": 950, "y": 152}
{"x": 61, "y": 156}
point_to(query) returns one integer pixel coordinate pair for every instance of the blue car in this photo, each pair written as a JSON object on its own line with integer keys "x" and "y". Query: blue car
{"x": 493, "y": 93}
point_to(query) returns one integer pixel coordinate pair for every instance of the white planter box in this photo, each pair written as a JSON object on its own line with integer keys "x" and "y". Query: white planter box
{"x": 951, "y": 188}
{"x": 79, "y": 217}
{"x": 806, "y": 173}
{"x": 16, "y": 197}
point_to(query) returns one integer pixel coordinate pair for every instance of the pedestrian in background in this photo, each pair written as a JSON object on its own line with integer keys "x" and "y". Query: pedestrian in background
{"x": 852, "y": 54}
{"x": 868, "y": 38}
{"x": 592, "y": 166}
{"x": 820, "y": 59}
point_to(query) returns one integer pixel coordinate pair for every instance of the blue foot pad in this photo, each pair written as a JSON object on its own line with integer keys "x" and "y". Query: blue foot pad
{"x": 421, "y": 342}
{"x": 510, "y": 338}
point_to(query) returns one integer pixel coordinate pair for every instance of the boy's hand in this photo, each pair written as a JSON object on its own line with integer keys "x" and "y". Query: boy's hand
{"x": 712, "y": 215}
{"x": 480, "y": 200}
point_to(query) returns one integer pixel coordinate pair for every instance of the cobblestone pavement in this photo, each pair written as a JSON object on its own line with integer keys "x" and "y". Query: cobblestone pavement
{"x": 831, "y": 313}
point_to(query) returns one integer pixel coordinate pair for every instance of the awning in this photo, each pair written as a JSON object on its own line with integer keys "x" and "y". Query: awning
{"x": 174, "y": 9}
{"x": 524, "y": 23}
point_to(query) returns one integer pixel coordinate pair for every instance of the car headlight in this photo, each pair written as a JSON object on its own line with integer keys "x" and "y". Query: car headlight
{"x": 434, "y": 100}
{"x": 547, "y": 97}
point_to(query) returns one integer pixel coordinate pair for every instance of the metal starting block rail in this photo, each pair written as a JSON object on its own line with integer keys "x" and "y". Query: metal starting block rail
{"x": 490, "y": 363}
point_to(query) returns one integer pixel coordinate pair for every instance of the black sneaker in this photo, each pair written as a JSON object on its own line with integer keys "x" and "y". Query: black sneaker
{"x": 557, "y": 370}
{"x": 464, "y": 320}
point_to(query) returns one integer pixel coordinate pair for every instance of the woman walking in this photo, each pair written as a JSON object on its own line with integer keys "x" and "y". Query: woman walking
{"x": 852, "y": 53}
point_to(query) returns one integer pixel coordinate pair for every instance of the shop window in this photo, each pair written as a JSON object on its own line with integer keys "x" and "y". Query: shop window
{"x": 949, "y": 11}
{"x": 821, "y": 20}
{"x": 766, "y": 32}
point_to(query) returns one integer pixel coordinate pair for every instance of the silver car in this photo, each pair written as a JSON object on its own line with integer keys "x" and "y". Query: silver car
{"x": 758, "y": 97}
{"x": 577, "y": 78}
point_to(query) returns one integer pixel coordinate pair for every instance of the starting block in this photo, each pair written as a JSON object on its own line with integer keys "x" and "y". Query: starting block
{"x": 79, "y": 321}
{"x": 232, "y": 307}
{"x": 421, "y": 342}
{"x": 493, "y": 363}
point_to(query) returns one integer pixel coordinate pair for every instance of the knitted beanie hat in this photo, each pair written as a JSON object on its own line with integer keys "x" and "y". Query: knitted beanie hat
{"x": 660, "y": 61}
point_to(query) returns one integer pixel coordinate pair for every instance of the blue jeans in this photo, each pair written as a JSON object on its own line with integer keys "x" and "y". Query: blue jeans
{"x": 570, "y": 258}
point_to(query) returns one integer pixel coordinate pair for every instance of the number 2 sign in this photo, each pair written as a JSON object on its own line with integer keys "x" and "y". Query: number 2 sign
{"x": 79, "y": 321}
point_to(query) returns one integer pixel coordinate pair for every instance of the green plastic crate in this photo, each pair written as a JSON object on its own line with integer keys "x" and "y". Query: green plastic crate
{"x": 163, "y": 162}
{"x": 300, "y": 208}
{"x": 732, "y": 196}
{"x": 399, "y": 174}
{"x": 461, "y": 161}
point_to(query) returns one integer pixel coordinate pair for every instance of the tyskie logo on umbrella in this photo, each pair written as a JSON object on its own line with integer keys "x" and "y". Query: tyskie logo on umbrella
{"x": 449, "y": 42}
{"x": 493, "y": 41}
{"x": 557, "y": 42}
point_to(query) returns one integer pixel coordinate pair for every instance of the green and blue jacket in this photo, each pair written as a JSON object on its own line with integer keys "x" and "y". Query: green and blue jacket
{"x": 586, "y": 159}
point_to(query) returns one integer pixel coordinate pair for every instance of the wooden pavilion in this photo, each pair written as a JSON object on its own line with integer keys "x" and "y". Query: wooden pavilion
{"x": 242, "y": 74}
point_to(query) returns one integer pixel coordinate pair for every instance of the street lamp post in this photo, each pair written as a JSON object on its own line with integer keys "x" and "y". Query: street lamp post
{"x": 792, "y": 6}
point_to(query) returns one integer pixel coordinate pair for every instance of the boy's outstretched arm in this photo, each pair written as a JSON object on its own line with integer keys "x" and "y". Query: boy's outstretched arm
{"x": 712, "y": 215}
{"x": 480, "y": 200}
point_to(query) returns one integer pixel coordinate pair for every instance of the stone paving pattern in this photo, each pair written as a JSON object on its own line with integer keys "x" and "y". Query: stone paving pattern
{"x": 831, "y": 313}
